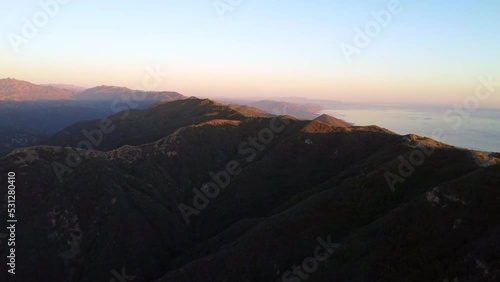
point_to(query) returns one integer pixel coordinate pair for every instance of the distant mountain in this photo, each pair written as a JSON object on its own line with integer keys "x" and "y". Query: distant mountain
{"x": 49, "y": 109}
{"x": 333, "y": 121}
{"x": 69, "y": 87}
{"x": 18, "y": 90}
{"x": 303, "y": 111}
{"x": 113, "y": 93}
{"x": 196, "y": 191}
{"x": 250, "y": 111}
{"x": 325, "y": 103}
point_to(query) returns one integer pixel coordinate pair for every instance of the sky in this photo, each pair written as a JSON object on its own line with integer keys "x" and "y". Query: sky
{"x": 425, "y": 52}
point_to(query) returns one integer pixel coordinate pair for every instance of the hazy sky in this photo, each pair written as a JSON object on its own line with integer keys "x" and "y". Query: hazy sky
{"x": 428, "y": 52}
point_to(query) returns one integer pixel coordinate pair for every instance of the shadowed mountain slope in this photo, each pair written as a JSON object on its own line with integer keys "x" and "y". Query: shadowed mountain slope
{"x": 261, "y": 190}
{"x": 135, "y": 127}
{"x": 15, "y": 137}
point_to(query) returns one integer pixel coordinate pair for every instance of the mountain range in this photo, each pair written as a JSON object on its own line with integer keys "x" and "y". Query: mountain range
{"x": 47, "y": 109}
{"x": 17, "y": 90}
{"x": 195, "y": 190}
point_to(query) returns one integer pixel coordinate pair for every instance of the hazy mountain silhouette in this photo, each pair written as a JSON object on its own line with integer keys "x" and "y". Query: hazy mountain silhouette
{"x": 277, "y": 107}
{"x": 48, "y": 109}
{"x": 18, "y": 90}
{"x": 74, "y": 88}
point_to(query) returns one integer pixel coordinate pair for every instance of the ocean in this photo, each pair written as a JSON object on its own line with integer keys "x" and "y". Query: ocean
{"x": 475, "y": 129}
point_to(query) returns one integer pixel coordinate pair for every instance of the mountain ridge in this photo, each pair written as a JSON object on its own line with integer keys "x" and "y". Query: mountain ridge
{"x": 19, "y": 90}
{"x": 149, "y": 124}
{"x": 122, "y": 207}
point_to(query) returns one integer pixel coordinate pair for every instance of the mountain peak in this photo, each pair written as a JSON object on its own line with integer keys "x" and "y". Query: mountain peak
{"x": 19, "y": 90}
{"x": 333, "y": 121}
{"x": 110, "y": 88}
{"x": 112, "y": 93}
{"x": 162, "y": 119}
